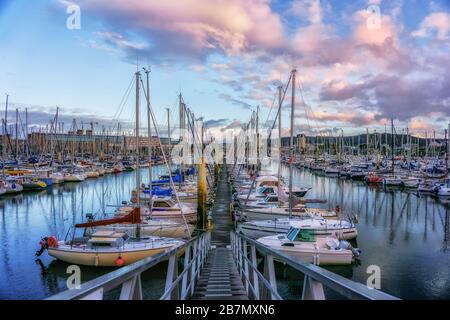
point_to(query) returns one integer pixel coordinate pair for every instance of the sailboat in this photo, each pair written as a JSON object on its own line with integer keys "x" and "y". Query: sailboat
{"x": 163, "y": 208}
{"x": 111, "y": 247}
{"x": 107, "y": 248}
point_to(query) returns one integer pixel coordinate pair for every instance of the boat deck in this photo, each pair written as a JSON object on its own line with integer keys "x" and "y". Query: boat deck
{"x": 220, "y": 278}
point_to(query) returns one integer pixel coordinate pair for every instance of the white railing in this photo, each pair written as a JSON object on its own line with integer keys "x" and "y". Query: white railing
{"x": 178, "y": 286}
{"x": 264, "y": 285}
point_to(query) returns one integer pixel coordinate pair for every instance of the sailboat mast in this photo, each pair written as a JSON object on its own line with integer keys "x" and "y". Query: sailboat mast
{"x": 291, "y": 144}
{"x": 138, "y": 167}
{"x": 280, "y": 88}
{"x": 170, "y": 142}
{"x": 181, "y": 110}
{"x": 393, "y": 145}
{"x": 26, "y": 133}
{"x": 447, "y": 155}
{"x": 17, "y": 134}
{"x": 150, "y": 148}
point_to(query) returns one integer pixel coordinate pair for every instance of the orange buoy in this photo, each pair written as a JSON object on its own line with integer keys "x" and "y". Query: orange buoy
{"x": 120, "y": 262}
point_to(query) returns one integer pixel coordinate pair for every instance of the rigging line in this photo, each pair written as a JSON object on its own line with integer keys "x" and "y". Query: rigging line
{"x": 282, "y": 99}
{"x": 172, "y": 184}
{"x": 271, "y": 107}
{"x": 305, "y": 104}
{"x": 123, "y": 100}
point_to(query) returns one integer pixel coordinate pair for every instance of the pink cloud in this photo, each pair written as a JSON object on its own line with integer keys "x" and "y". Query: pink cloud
{"x": 438, "y": 22}
{"x": 372, "y": 34}
{"x": 231, "y": 26}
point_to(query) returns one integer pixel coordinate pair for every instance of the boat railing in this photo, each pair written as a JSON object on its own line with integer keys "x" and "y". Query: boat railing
{"x": 178, "y": 286}
{"x": 263, "y": 286}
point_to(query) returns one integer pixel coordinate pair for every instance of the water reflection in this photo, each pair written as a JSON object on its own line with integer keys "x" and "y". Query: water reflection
{"x": 25, "y": 218}
{"x": 404, "y": 233}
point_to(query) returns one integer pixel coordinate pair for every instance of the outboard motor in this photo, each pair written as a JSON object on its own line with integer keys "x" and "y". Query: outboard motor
{"x": 45, "y": 243}
{"x": 345, "y": 245}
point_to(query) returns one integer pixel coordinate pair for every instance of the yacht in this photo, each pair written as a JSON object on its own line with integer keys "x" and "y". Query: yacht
{"x": 106, "y": 248}
{"x": 302, "y": 244}
{"x": 340, "y": 229}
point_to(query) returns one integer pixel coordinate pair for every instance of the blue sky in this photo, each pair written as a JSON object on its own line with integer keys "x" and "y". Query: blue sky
{"x": 227, "y": 57}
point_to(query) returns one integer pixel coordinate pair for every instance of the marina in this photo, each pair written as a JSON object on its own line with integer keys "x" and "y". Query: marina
{"x": 252, "y": 154}
{"x": 399, "y": 225}
{"x": 232, "y": 223}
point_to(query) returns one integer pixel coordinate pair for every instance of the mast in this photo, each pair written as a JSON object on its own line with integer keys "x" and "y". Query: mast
{"x": 26, "y": 133}
{"x": 17, "y": 134}
{"x": 170, "y": 142}
{"x": 6, "y": 123}
{"x": 150, "y": 148}
{"x": 181, "y": 116}
{"x": 258, "y": 162}
{"x": 291, "y": 144}
{"x": 408, "y": 135}
{"x": 367, "y": 143}
{"x": 392, "y": 145}
{"x": 280, "y": 88}
{"x": 447, "y": 136}
{"x": 138, "y": 165}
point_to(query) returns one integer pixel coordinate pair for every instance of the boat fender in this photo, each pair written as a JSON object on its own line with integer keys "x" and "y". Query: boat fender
{"x": 120, "y": 262}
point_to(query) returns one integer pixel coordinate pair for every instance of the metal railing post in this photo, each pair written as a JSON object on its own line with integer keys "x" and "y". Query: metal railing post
{"x": 187, "y": 258}
{"x": 194, "y": 265}
{"x": 255, "y": 275}
{"x": 131, "y": 289}
{"x": 240, "y": 255}
{"x": 172, "y": 274}
{"x": 199, "y": 258}
{"x": 246, "y": 272}
{"x": 312, "y": 289}
{"x": 269, "y": 274}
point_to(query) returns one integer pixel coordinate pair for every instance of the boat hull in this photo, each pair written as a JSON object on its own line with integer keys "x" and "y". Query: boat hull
{"x": 102, "y": 259}
{"x": 309, "y": 254}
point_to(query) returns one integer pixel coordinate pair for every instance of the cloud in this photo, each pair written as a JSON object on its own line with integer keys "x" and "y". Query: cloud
{"x": 41, "y": 116}
{"x": 235, "y": 124}
{"x": 189, "y": 29}
{"x": 351, "y": 73}
{"x": 438, "y": 23}
{"x": 235, "y": 102}
{"x": 215, "y": 123}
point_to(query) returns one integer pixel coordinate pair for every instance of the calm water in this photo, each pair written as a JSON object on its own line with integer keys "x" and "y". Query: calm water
{"x": 25, "y": 218}
{"x": 405, "y": 235}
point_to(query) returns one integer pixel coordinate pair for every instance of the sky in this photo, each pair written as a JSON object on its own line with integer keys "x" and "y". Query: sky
{"x": 359, "y": 63}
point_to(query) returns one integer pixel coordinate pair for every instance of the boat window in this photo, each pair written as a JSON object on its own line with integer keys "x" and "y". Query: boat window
{"x": 305, "y": 235}
{"x": 161, "y": 204}
{"x": 292, "y": 233}
{"x": 270, "y": 190}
